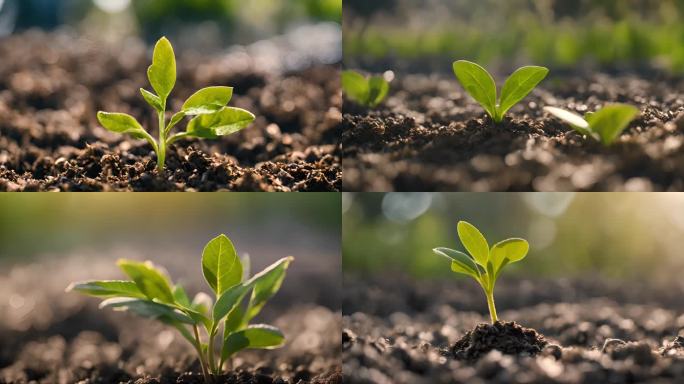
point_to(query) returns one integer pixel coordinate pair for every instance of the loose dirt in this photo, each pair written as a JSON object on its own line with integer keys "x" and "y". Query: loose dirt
{"x": 52, "y": 85}
{"x": 429, "y": 135}
{"x": 397, "y": 330}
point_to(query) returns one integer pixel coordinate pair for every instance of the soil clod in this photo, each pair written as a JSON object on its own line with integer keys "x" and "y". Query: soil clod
{"x": 507, "y": 337}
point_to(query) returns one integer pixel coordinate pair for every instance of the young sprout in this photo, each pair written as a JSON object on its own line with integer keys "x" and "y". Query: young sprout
{"x": 211, "y": 117}
{"x": 480, "y": 86}
{"x": 369, "y": 92}
{"x": 150, "y": 293}
{"x": 604, "y": 125}
{"x": 482, "y": 263}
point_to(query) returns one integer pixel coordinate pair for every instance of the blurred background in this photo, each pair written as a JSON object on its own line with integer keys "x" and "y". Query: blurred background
{"x": 428, "y": 35}
{"x": 630, "y": 237}
{"x": 201, "y": 25}
{"x": 56, "y": 239}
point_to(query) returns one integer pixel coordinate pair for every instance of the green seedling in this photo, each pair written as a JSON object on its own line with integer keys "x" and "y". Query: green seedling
{"x": 369, "y": 92}
{"x": 482, "y": 263}
{"x": 150, "y": 293}
{"x": 480, "y": 86}
{"x": 604, "y": 125}
{"x": 211, "y": 117}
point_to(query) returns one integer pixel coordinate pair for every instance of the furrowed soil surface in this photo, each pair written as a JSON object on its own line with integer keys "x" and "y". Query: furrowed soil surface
{"x": 49, "y": 336}
{"x": 402, "y": 331}
{"x": 430, "y": 135}
{"x": 52, "y": 85}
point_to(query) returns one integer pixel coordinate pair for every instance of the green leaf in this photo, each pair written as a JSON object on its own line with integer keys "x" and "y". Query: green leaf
{"x": 152, "y": 282}
{"x": 146, "y": 308}
{"x": 474, "y": 242}
{"x": 519, "y": 85}
{"x": 266, "y": 283}
{"x": 234, "y": 321}
{"x": 152, "y": 99}
{"x": 228, "y": 301}
{"x": 356, "y": 87}
{"x": 611, "y": 120}
{"x": 224, "y": 122}
{"x": 207, "y": 100}
{"x": 162, "y": 72}
{"x": 221, "y": 265}
{"x": 107, "y": 288}
{"x": 478, "y": 83}
{"x": 121, "y": 123}
{"x": 378, "y": 89}
{"x": 181, "y": 297}
{"x": 576, "y": 121}
{"x": 260, "y": 336}
{"x": 506, "y": 252}
{"x": 460, "y": 262}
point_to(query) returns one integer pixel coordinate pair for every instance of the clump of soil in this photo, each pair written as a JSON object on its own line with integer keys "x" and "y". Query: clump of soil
{"x": 430, "y": 135}
{"x": 52, "y": 85}
{"x": 507, "y": 337}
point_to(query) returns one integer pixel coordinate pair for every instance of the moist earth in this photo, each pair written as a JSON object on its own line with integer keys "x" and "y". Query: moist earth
{"x": 52, "y": 85}
{"x": 399, "y": 330}
{"x": 429, "y": 135}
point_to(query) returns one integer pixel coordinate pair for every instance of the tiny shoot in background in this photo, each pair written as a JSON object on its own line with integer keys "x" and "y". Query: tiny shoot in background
{"x": 211, "y": 117}
{"x": 604, "y": 125}
{"x": 369, "y": 92}
{"x": 482, "y": 263}
{"x": 479, "y": 84}
{"x": 238, "y": 298}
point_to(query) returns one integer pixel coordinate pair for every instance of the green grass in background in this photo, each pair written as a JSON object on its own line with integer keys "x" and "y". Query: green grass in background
{"x": 617, "y": 235}
{"x": 557, "y": 33}
{"x": 50, "y": 223}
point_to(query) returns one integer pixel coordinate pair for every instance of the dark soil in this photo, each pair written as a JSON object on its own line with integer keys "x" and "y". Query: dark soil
{"x": 397, "y": 330}
{"x": 48, "y": 336}
{"x": 506, "y": 337}
{"x": 52, "y": 85}
{"x": 429, "y": 135}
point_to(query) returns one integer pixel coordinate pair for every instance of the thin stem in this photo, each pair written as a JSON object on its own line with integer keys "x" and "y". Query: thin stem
{"x": 490, "y": 304}
{"x": 212, "y": 363}
{"x": 203, "y": 363}
{"x": 161, "y": 154}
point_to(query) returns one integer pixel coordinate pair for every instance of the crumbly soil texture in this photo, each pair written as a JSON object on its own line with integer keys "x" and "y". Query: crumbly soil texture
{"x": 429, "y": 135}
{"x": 48, "y": 336}
{"x": 52, "y": 85}
{"x": 397, "y": 330}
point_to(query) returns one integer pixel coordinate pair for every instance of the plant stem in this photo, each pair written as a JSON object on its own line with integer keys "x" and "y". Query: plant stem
{"x": 210, "y": 351}
{"x": 161, "y": 154}
{"x": 490, "y": 304}
{"x": 203, "y": 363}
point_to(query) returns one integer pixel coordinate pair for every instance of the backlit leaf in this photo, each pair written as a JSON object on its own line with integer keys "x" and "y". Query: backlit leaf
{"x": 162, "y": 72}
{"x": 220, "y": 264}
{"x": 519, "y": 85}
{"x": 478, "y": 83}
{"x": 121, "y": 123}
{"x": 224, "y": 122}
{"x": 611, "y": 120}
{"x": 474, "y": 242}
{"x": 152, "y": 282}
{"x": 355, "y": 87}
{"x": 460, "y": 262}
{"x": 107, "y": 288}
{"x": 207, "y": 100}
{"x": 266, "y": 283}
{"x": 259, "y": 336}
